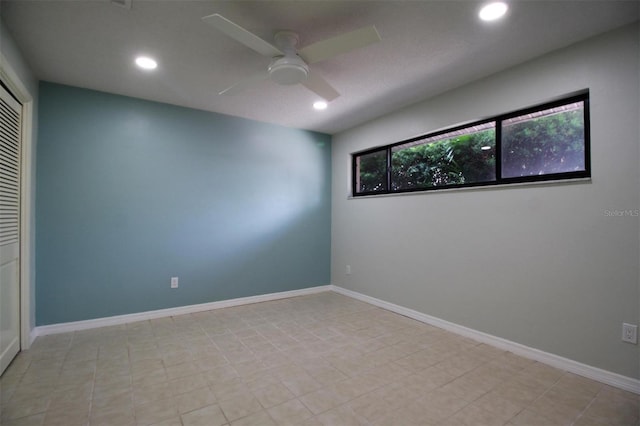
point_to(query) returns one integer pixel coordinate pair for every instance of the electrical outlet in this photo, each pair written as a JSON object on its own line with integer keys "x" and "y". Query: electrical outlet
{"x": 174, "y": 282}
{"x": 629, "y": 333}
{"x": 348, "y": 269}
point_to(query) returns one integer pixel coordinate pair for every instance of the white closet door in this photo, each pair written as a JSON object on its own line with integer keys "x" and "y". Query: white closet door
{"x": 10, "y": 141}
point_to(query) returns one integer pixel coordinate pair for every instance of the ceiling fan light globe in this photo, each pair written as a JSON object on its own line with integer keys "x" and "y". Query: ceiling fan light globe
{"x": 288, "y": 70}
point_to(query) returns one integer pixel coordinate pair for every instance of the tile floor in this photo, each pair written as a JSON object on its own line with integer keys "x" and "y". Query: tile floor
{"x": 322, "y": 359}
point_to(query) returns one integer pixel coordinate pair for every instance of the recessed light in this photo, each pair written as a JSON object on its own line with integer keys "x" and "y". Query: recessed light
{"x": 320, "y": 105}
{"x": 493, "y": 11}
{"x": 146, "y": 63}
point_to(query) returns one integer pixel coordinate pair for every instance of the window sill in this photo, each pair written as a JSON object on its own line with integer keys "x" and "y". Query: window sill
{"x": 478, "y": 188}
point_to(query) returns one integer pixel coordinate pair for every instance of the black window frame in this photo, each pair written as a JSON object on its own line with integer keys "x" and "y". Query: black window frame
{"x": 499, "y": 180}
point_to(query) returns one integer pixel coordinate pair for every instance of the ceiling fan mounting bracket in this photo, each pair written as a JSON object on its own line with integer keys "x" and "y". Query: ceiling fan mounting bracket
{"x": 287, "y": 41}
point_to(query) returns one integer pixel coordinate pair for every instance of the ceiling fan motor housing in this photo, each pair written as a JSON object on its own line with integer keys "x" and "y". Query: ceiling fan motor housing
{"x": 289, "y": 69}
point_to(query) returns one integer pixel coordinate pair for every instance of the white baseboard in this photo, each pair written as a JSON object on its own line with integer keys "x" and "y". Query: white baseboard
{"x": 623, "y": 382}
{"x": 33, "y": 333}
{"x": 161, "y": 313}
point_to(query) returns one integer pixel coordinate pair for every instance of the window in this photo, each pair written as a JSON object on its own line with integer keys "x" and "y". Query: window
{"x": 371, "y": 172}
{"x": 541, "y": 143}
{"x": 457, "y": 157}
{"x": 544, "y": 142}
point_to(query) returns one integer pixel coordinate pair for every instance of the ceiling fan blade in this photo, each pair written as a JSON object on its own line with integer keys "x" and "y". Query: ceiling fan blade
{"x": 244, "y": 84}
{"x": 320, "y": 87}
{"x": 245, "y": 37}
{"x": 338, "y": 45}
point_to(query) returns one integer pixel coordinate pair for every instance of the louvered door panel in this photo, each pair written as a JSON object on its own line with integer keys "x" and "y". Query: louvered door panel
{"x": 10, "y": 171}
{"x": 10, "y": 143}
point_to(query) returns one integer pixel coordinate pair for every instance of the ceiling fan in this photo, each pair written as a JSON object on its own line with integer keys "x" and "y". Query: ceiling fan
{"x": 288, "y": 64}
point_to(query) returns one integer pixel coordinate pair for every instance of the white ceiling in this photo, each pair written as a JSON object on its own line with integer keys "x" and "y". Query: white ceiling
{"x": 427, "y": 47}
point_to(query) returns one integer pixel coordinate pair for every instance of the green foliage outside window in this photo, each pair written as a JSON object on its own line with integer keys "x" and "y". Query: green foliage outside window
{"x": 545, "y": 145}
{"x": 373, "y": 172}
{"x": 454, "y": 161}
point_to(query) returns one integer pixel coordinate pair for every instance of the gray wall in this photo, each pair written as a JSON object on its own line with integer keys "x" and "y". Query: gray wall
{"x": 543, "y": 266}
{"x": 15, "y": 60}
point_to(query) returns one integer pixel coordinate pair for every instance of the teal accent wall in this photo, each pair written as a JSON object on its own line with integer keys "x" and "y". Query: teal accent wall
{"x": 132, "y": 192}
